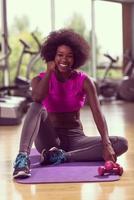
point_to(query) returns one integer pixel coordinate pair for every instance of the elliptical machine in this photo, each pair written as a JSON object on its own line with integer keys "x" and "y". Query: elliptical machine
{"x": 15, "y": 99}
{"x": 107, "y": 88}
{"x": 122, "y": 89}
{"x": 11, "y": 107}
{"x": 126, "y": 86}
{"x": 23, "y": 83}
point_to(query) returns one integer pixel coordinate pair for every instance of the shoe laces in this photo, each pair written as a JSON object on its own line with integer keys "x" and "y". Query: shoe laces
{"x": 21, "y": 161}
{"x": 57, "y": 157}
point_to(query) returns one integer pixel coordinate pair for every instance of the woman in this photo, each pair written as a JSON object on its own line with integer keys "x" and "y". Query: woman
{"x": 53, "y": 120}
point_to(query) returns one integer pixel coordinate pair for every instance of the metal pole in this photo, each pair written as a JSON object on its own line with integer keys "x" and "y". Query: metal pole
{"x": 93, "y": 40}
{"x": 52, "y": 15}
{"x": 4, "y": 43}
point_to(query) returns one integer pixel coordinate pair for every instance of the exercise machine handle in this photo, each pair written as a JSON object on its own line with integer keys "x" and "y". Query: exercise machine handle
{"x": 36, "y": 39}
{"x": 27, "y": 47}
{"x": 24, "y": 44}
{"x": 111, "y": 59}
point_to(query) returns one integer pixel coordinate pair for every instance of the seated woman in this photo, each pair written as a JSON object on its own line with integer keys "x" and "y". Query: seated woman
{"x": 53, "y": 120}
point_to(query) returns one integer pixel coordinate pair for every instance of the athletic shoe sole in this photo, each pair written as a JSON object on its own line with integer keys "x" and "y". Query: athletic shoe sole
{"x": 21, "y": 174}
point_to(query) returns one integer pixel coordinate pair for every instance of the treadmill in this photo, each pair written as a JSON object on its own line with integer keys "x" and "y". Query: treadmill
{"x": 12, "y": 107}
{"x": 12, "y": 110}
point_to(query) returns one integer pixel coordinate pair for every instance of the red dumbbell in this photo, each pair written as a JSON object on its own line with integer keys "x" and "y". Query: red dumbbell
{"x": 110, "y": 168}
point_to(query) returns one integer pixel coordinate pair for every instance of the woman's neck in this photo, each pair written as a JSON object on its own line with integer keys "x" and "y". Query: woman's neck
{"x": 64, "y": 76}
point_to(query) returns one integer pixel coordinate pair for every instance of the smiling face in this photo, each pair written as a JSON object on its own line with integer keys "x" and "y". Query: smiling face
{"x": 64, "y": 58}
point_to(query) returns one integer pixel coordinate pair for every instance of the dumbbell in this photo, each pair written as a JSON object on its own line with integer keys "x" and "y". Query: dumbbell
{"x": 110, "y": 168}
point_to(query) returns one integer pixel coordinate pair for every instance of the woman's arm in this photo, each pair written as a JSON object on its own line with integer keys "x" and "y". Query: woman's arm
{"x": 92, "y": 98}
{"x": 40, "y": 86}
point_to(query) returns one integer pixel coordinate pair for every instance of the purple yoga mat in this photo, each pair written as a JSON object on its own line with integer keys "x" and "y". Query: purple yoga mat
{"x": 65, "y": 172}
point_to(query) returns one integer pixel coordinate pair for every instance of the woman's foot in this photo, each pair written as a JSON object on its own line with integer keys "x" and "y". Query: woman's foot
{"x": 22, "y": 166}
{"x": 53, "y": 156}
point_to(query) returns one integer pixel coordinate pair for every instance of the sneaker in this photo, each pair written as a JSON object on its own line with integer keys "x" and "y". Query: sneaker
{"x": 22, "y": 166}
{"x": 53, "y": 156}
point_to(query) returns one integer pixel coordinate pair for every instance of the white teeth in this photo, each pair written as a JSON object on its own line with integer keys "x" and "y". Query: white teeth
{"x": 63, "y": 65}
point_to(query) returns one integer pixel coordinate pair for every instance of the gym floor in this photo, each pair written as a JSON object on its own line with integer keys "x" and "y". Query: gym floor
{"x": 120, "y": 119}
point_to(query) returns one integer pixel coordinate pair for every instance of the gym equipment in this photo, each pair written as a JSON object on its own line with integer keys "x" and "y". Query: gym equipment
{"x": 15, "y": 99}
{"x": 22, "y": 84}
{"x": 122, "y": 89}
{"x": 11, "y": 110}
{"x": 110, "y": 168}
{"x": 126, "y": 89}
{"x": 11, "y": 107}
{"x": 126, "y": 86}
{"x": 107, "y": 88}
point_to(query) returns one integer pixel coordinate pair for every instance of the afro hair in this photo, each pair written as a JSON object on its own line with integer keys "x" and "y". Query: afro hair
{"x": 68, "y": 37}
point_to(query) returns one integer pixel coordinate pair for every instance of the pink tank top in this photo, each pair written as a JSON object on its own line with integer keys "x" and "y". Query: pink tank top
{"x": 65, "y": 96}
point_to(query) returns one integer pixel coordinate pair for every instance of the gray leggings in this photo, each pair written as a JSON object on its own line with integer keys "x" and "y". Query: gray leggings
{"x": 79, "y": 147}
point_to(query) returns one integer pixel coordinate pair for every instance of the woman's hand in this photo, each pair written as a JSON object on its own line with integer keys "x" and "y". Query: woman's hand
{"x": 109, "y": 153}
{"x": 50, "y": 66}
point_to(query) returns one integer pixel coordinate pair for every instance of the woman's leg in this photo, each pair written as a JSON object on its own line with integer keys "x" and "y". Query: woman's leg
{"x": 47, "y": 137}
{"x": 36, "y": 124}
{"x": 84, "y": 148}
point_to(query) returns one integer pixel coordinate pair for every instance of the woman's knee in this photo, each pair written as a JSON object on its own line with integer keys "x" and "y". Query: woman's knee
{"x": 120, "y": 145}
{"x": 37, "y": 107}
{"x": 124, "y": 143}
